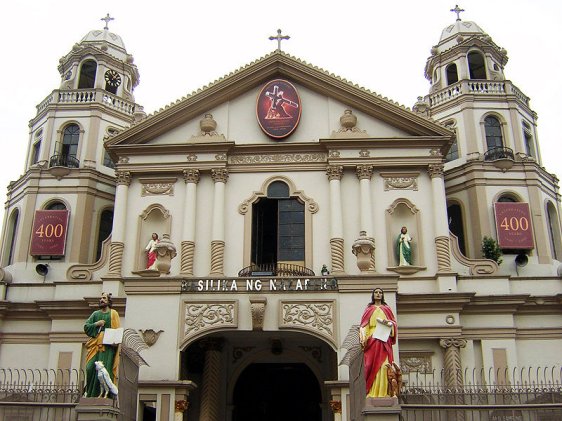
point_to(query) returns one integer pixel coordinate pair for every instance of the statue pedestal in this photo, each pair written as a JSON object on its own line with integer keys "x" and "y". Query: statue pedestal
{"x": 96, "y": 409}
{"x": 381, "y": 409}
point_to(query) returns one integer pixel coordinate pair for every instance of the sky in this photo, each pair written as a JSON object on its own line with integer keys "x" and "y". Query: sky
{"x": 181, "y": 46}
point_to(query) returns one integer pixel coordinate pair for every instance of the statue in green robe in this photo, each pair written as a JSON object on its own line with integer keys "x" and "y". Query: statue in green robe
{"x": 94, "y": 327}
{"x": 403, "y": 248}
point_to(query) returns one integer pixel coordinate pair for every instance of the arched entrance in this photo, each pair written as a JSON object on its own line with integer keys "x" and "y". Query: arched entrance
{"x": 245, "y": 376}
{"x": 277, "y": 392}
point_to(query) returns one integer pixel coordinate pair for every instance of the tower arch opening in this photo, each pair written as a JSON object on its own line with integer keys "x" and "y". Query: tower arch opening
{"x": 476, "y": 65}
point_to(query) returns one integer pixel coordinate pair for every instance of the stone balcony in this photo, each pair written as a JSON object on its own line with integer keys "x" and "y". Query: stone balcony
{"x": 487, "y": 88}
{"x": 87, "y": 96}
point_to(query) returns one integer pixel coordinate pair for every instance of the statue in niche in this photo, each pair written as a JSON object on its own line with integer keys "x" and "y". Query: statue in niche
{"x": 151, "y": 252}
{"x": 377, "y": 333}
{"x": 404, "y": 248}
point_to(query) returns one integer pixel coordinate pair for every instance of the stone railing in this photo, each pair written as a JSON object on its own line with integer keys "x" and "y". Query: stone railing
{"x": 87, "y": 96}
{"x": 475, "y": 87}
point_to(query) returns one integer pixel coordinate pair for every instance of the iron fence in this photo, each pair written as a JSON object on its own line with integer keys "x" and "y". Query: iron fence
{"x": 40, "y": 394}
{"x": 518, "y": 394}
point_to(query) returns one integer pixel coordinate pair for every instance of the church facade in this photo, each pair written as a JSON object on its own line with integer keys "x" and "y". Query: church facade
{"x": 278, "y": 195}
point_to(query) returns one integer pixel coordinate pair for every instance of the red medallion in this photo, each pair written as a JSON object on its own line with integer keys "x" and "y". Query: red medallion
{"x": 278, "y": 108}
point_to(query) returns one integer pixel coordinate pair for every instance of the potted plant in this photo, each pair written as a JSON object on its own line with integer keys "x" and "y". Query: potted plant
{"x": 491, "y": 250}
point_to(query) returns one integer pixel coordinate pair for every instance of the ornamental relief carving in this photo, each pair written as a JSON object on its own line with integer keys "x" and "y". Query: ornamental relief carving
{"x": 420, "y": 363}
{"x": 203, "y": 316}
{"x": 277, "y": 158}
{"x": 317, "y": 316}
{"x": 400, "y": 183}
{"x": 152, "y": 189}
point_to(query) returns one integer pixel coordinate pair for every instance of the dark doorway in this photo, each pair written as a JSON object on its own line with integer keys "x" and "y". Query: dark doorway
{"x": 277, "y": 392}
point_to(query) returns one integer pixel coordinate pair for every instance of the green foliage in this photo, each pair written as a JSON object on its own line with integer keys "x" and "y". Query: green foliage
{"x": 491, "y": 250}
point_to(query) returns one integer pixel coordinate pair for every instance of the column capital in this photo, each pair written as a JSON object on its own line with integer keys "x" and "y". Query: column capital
{"x": 436, "y": 170}
{"x": 452, "y": 342}
{"x": 191, "y": 175}
{"x": 334, "y": 172}
{"x": 181, "y": 405}
{"x": 364, "y": 172}
{"x": 335, "y": 406}
{"x": 123, "y": 177}
{"x": 219, "y": 175}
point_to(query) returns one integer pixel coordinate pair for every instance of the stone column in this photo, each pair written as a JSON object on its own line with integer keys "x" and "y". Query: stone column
{"x": 442, "y": 244}
{"x": 220, "y": 176}
{"x": 364, "y": 174}
{"x": 453, "y": 366}
{"x": 335, "y": 174}
{"x": 119, "y": 223}
{"x": 453, "y": 373}
{"x": 211, "y": 380}
{"x": 191, "y": 177}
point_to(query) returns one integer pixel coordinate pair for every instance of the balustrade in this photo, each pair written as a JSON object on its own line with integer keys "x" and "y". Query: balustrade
{"x": 87, "y": 96}
{"x": 476, "y": 87}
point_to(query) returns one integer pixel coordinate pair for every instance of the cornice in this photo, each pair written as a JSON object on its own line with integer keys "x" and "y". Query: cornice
{"x": 492, "y": 304}
{"x": 277, "y": 64}
{"x": 489, "y": 333}
{"x": 433, "y": 303}
{"x": 429, "y": 332}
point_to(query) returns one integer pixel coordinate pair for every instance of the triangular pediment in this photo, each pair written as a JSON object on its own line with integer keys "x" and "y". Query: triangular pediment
{"x": 278, "y": 65}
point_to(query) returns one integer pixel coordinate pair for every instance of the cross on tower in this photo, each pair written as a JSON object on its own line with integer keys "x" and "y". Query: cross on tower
{"x": 107, "y": 19}
{"x": 458, "y": 11}
{"x": 279, "y": 38}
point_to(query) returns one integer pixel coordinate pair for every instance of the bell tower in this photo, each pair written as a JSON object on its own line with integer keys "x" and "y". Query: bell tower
{"x": 496, "y": 155}
{"x": 67, "y": 167}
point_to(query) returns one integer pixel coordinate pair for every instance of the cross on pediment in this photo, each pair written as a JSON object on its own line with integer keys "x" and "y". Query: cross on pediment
{"x": 279, "y": 38}
{"x": 107, "y": 19}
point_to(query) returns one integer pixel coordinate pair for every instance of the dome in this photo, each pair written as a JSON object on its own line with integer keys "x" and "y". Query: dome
{"x": 461, "y": 27}
{"x": 459, "y": 30}
{"x": 103, "y": 35}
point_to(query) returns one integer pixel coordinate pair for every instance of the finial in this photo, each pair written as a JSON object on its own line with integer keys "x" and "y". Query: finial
{"x": 107, "y": 19}
{"x": 279, "y": 38}
{"x": 458, "y": 11}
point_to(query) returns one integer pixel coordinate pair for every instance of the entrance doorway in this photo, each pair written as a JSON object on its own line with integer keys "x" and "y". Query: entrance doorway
{"x": 277, "y": 392}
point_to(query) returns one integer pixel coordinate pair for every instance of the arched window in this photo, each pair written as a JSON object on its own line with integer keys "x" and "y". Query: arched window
{"x": 88, "y": 75}
{"x": 528, "y": 140}
{"x": 69, "y": 149}
{"x": 278, "y": 228}
{"x": 12, "y": 235}
{"x": 476, "y": 65}
{"x": 104, "y": 229}
{"x": 507, "y": 198}
{"x": 36, "y": 147}
{"x": 493, "y": 129}
{"x": 456, "y": 225}
{"x": 554, "y": 231}
{"x": 55, "y": 206}
{"x": 452, "y": 74}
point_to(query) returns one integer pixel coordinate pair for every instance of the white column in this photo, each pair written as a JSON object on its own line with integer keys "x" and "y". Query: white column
{"x": 119, "y": 224}
{"x": 120, "y": 208}
{"x": 335, "y": 174}
{"x": 220, "y": 176}
{"x": 191, "y": 177}
{"x": 364, "y": 173}
{"x": 442, "y": 242}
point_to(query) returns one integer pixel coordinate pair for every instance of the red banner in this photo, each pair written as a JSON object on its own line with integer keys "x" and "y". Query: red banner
{"x": 48, "y": 237}
{"x": 513, "y": 225}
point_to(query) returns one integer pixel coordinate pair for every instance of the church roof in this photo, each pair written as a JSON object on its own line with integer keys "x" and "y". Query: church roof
{"x": 461, "y": 27}
{"x": 277, "y": 65}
